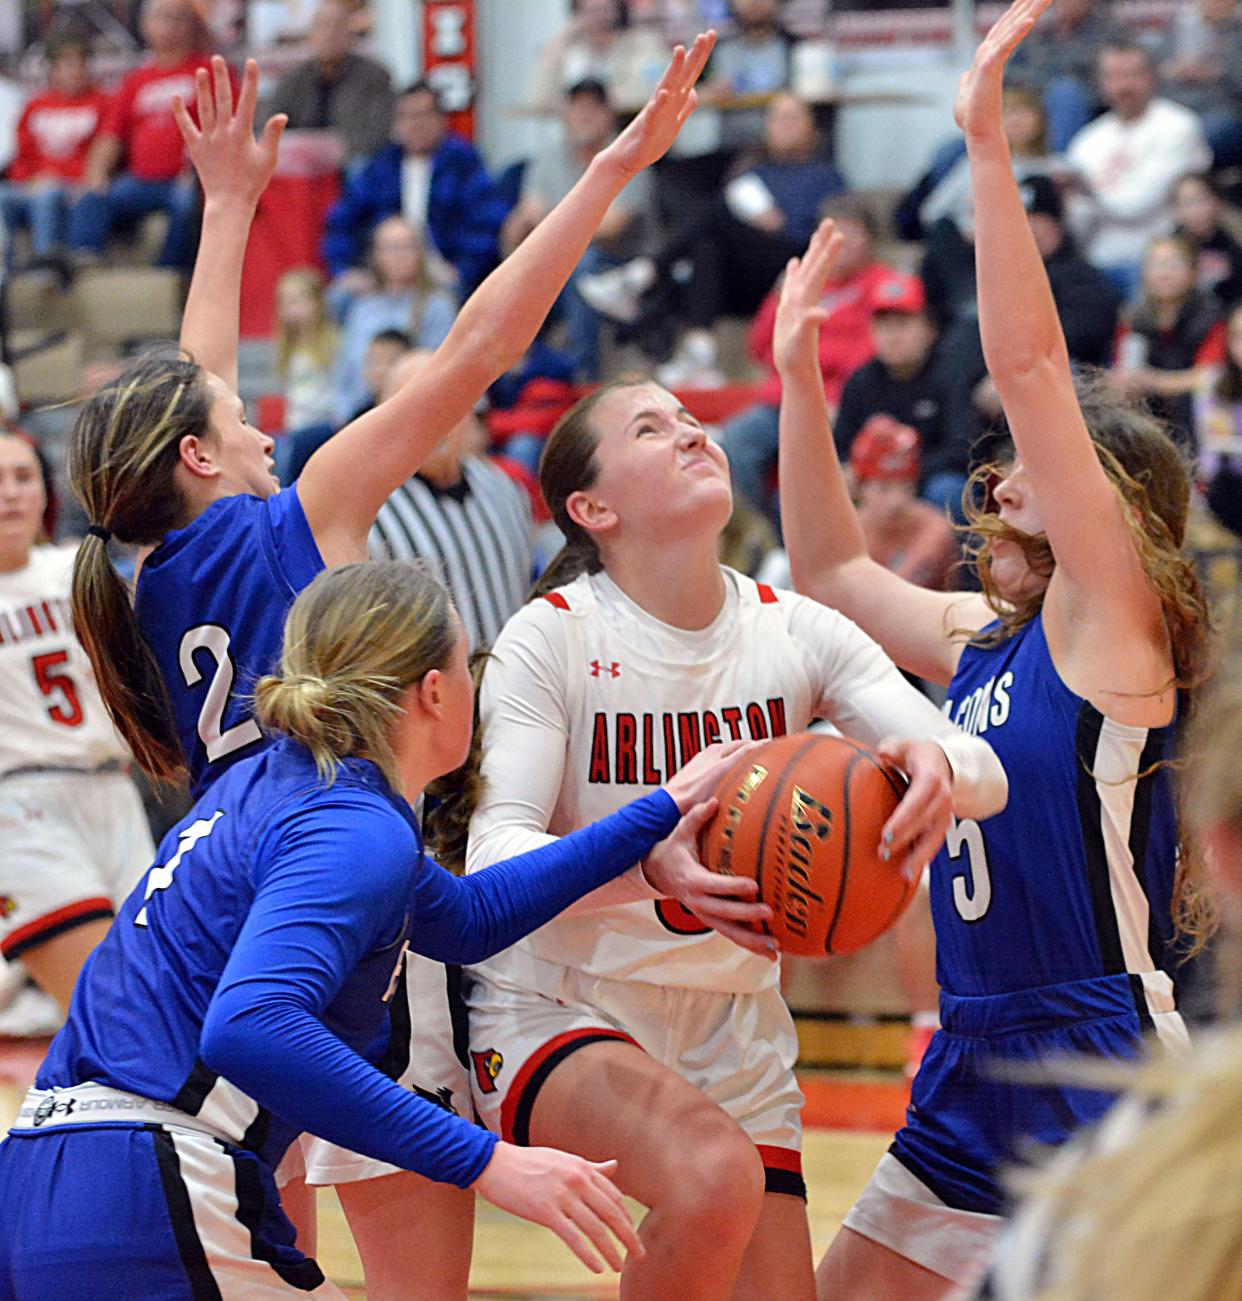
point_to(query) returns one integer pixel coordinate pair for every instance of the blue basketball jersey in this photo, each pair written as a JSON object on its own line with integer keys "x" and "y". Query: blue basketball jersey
{"x": 256, "y": 958}
{"x": 1053, "y": 924}
{"x": 211, "y": 604}
{"x": 1074, "y": 879}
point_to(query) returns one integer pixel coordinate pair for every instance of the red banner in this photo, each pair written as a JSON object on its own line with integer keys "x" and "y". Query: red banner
{"x": 449, "y": 59}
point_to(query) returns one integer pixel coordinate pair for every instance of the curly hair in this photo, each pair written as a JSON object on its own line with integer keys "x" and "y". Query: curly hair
{"x": 1152, "y": 482}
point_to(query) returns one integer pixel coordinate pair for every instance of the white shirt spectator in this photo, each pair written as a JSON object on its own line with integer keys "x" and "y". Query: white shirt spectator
{"x": 1129, "y": 168}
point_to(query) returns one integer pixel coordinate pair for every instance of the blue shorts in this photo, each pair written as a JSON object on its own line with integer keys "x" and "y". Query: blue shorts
{"x": 115, "y": 1212}
{"x": 967, "y": 1123}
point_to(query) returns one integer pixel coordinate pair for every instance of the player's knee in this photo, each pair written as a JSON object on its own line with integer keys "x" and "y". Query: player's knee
{"x": 720, "y": 1188}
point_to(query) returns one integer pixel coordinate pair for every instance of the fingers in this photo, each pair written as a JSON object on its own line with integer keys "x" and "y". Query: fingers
{"x": 699, "y": 817}
{"x": 924, "y": 849}
{"x": 249, "y": 96}
{"x": 563, "y": 1226}
{"x": 206, "y": 105}
{"x": 714, "y": 908}
{"x": 604, "y": 1198}
{"x": 717, "y": 885}
{"x": 672, "y": 73}
{"x": 185, "y": 123}
{"x": 223, "y": 90}
{"x": 927, "y": 797}
{"x": 270, "y": 141}
{"x": 763, "y": 946}
{"x": 700, "y": 52}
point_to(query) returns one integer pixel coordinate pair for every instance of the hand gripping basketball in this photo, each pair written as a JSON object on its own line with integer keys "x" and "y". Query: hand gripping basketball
{"x": 803, "y": 816}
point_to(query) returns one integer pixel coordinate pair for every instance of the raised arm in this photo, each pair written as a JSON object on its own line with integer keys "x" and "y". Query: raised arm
{"x": 827, "y": 551}
{"x": 1027, "y": 358}
{"x": 234, "y": 170}
{"x": 349, "y": 478}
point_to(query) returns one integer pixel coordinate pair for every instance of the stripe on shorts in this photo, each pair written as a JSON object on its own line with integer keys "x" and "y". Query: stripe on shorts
{"x": 306, "y": 1275}
{"x": 55, "y": 923}
{"x": 782, "y": 1170}
{"x": 181, "y": 1215}
{"x": 520, "y": 1100}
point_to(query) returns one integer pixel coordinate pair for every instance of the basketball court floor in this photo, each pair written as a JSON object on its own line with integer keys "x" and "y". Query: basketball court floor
{"x": 850, "y": 1120}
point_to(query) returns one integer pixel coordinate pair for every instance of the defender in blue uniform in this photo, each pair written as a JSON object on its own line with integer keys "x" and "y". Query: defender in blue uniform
{"x": 240, "y": 996}
{"x": 1054, "y": 921}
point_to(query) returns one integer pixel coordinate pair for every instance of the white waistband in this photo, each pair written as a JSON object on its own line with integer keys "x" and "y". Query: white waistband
{"x": 95, "y": 1104}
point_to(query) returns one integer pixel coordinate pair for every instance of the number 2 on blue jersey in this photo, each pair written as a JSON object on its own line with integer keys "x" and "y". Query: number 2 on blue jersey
{"x": 213, "y": 639}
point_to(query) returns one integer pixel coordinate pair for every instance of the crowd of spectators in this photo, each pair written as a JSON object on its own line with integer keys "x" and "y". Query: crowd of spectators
{"x": 1127, "y": 143}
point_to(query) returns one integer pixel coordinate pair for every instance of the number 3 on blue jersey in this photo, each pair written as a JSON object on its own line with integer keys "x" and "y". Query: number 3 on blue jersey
{"x": 213, "y": 639}
{"x": 972, "y": 901}
{"x": 161, "y": 877}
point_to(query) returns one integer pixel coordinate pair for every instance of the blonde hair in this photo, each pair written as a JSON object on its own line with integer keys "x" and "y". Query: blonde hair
{"x": 1159, "y": 1214}
{"x": 318, "y": 338}
{"x": 355, "y": 639}
{"x": 125, "y": 448}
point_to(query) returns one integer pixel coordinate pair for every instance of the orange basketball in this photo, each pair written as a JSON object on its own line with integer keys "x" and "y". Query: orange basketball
{"x": 803, "y": 816}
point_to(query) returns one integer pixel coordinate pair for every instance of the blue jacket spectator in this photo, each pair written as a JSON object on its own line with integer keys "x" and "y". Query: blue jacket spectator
{"x": 432, "y": 178}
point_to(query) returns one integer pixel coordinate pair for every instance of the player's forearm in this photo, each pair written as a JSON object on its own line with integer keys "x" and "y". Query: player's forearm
{"x": 505, "y": 313}
{"x": 289, "y": 1063}
{"x": 1018, "y": 320}
{"x": 210, "y": 327}
{"x": 821, "y": 528}
{"x": 493, "y": 909}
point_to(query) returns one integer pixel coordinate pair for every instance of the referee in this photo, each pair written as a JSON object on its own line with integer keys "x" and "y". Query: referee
{"x": 464, "y": 518}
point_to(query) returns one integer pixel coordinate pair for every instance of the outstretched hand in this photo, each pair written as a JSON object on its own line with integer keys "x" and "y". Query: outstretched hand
{"x": 229, "y": 161}
{"x": 977, "y": 109}
{"x": 649, "y": 135}
{"x": 799, "y": 311}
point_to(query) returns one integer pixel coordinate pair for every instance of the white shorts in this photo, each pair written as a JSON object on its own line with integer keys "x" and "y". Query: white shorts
{"x": 75, "y": 845}
{"x": 900, "y": 1212}
{"x": 738, "y": 1049}
{"x": 426, "y": 1054}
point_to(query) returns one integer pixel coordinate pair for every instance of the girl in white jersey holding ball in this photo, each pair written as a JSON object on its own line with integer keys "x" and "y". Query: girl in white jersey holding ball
{"x": 632, "y": 1028}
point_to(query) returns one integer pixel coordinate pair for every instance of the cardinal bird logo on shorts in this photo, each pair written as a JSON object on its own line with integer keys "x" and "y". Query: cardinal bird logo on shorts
{"x": 487, "y": 1066}
{"x": 8, "y": 905}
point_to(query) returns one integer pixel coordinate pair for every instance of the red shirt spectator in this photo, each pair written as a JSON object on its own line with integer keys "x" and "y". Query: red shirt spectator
{"x": 54, "y": 134}
{"x": 141, "y": 117}
{"x": 844, "y": 339}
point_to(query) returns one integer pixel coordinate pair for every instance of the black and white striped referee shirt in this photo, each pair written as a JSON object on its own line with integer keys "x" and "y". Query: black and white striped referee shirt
{"x": 475, "y": 536}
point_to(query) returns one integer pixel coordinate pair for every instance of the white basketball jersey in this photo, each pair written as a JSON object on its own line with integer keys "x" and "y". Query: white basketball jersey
{"x": 589, "y": 701}
{"x": 51, "y": 715}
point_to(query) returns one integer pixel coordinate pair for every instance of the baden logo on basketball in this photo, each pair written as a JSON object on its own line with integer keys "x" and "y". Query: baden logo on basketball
{"x": 803, "y": 817}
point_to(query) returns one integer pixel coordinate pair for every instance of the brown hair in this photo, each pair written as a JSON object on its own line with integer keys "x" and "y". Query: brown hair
{"x": 1152, "y": 481}
{"x": 125, "y": 447}
{"x": 568, "y": 465}
{"x": 355, "y": 639}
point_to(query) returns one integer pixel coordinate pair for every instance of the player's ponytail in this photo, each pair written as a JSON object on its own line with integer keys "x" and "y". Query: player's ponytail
{"x": 124, "y": 450}
{"x": 355, "y": 639}
{"x": 568, "y": 465}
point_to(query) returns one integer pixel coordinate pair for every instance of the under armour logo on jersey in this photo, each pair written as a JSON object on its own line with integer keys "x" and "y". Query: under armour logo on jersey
{"x": 612, "y": 668}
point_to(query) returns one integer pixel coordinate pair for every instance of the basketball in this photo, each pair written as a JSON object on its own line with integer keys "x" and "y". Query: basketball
{"x": 803, "y": 817}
